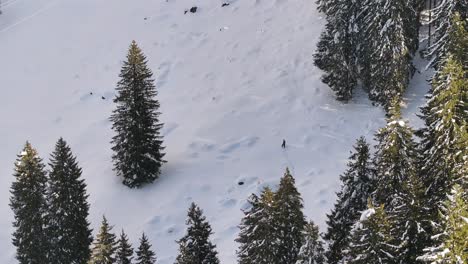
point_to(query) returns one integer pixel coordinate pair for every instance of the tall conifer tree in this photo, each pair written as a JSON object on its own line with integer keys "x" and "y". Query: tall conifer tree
{"x": 144, "y": 253}
{"x": 124, "y": 253}
{"x": 357, "y": 186}
{"x": 195, "y": 247}
{"x": 68, "y": 227}
{"x": 409, "y": 215}
{"x": 444, "y": 144}
{"x": 372, "y": 241}
{"x": 312, "y": 250}
{"x": 104, "y": 246}
{"x": 257, "y": 237}
{"x": 399, "y": 186}
{"x": 337, "y": 49}
{"x": 28, "y": 203}
{"x": 450, "y": 243}
{"x": 387, "y": 49}
{"x": 449, "y": 21}
{"x": 138, "y": 151}
{"x": 289, "y": 218}
{"x": 395, "y": 159}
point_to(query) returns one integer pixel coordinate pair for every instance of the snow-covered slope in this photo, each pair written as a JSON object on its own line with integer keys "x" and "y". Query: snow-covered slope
{"x": 233, "y": 82}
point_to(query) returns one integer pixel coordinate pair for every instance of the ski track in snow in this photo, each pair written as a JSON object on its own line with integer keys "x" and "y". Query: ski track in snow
{"x": 233, "y": 82}
{"x": 25, "y": 19}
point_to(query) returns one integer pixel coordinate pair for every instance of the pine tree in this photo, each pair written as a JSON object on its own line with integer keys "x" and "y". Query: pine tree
{"x": 409, "y": 216}
{"x": 399, "y": 187}
{"x": 105, "y": 245}
{"x": 449, "y": 21}
{"x": 257, "y": 231}
{"x": 68, "y": 227}
{"x": 387, "y": 49}
{"x": 395, "y": 159}
{"x": 357, "y": 186}
{"x": 124, "y": 250}
{"x": 451, "y": 243}
{"x": 444, "y": 144}
{"x": 457, "y": 41}
{"x": 29, "y": 207}
{"x": 195, "y": 247}
{"x": 289, "y": 219}
{"x": 144, "y": 253}
{"x": 138, "y": 151}
{"x": 337, "y": 54}
{"x": 372, "y": 241}
{"x": 312, "y": 250}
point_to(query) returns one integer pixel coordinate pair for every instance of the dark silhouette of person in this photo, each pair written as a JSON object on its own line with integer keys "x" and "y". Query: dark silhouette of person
{"x": 284, "y": 144}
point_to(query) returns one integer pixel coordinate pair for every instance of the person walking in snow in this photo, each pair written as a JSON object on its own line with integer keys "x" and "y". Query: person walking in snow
{"x": 284, "y": 144}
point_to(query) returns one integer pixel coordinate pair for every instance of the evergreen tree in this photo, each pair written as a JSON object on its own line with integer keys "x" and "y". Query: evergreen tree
{"x": 138, "y": 151}
{"x": 357, "y": 186}
{"x": 451, "y": 243}
{"x": 372, "y": 241}
{"x": 144, "y": 253}
{"x": 68, "y": 227}
{"x": 105, "y": 245}
{"x": 449, "y": 21}
{"x": 409, "y": 216}
{"x": 395, "y": 159}
{"x": 257, "y": 231}
{"x": 29, "y": 207}
{"x": 124, "y": 252}
{"x": 444, "y": 144}
{"x": 337, "y": 54}
{"x": 312, "y": 250}
{"x": 387, "y": 49}
{"x": 289, "y": 219}
{"x": 399, "y": 187}
{"x": 195, "y": 247}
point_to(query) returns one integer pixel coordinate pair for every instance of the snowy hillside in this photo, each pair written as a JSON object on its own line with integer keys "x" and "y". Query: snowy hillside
{"x": 233, "y": 82}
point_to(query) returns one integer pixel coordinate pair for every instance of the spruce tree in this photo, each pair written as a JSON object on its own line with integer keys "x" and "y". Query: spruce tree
{"x": 312, "y": 250}
{"x": 409, "y": 216}
{"x": 195, "y": 247}
{"x": 124, "y": 252}
{"x": 395, "y": 159}
{"x": 28, "y": 203}
{"x": 68, "y": 227}
{"x": 257, "y": 240}
{"x": 357, "y": 186}
{"x": 337, "y": 54}
{"x": 444, "y": 139}
{"x": 387, "y": 49}
{"x": 399, "y": 187}
{"x": 137, "y": 145}
{"x": 144, "y": 253}
{"x": 449, "y": 21}
{"x": 451, "y": 243}
{"x": 372, "y": 241}
{"x": 105, "y": 245}
{"x": 289, "y": 219}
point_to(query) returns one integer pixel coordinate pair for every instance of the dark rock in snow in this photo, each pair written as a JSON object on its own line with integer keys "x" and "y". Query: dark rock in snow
{"x": 193, "y": 9}
{"x": 241, "y": 183}
{"x": 225, "y": 4}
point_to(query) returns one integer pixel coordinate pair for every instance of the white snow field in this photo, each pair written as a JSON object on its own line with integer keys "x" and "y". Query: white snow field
{"x": 233, "y": 82}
